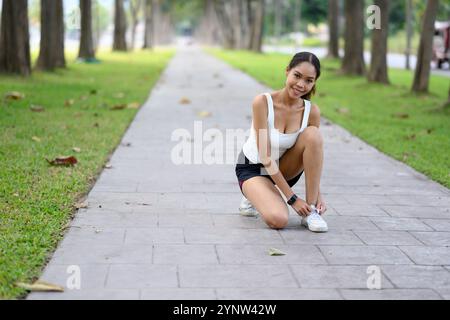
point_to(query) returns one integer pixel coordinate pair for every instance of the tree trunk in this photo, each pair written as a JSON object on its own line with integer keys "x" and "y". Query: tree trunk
{"x": 422, "y": 73}
{"x": 353, "y": 62}
{"x": 135, "y": 7}
{"x": 208, "y": 32}
{"x": 409, "y": 32}
{"x": 278, "y": 23}
{"x": 297, "y": 15}
{"x": 258, "y": 8}
{"x": 333, "y": 27}
{"x": 51, "y": 54}
{"x": 222, "y": 11}
{"x": 148, "y": 33}
{"x": 15, "y": 38}
{"x": 120, "y": 27}
{"x": 86, "y": 42}
{"x": 378, "y": 66}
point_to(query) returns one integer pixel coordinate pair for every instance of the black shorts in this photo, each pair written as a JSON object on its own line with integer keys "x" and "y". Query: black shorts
{"x": 245, "y": 169}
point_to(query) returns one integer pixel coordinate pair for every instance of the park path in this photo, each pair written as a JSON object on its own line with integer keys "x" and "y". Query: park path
{"x": 154, "y": 230}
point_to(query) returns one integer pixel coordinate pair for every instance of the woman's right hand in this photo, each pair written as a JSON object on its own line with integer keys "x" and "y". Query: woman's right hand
{"x": 301, "y": 207}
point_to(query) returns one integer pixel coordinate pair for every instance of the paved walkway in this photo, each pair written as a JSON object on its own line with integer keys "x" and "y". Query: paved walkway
{"x": 154, "y": 230}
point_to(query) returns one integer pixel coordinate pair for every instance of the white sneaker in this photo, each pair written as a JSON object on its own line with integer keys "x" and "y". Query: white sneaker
{"x": 314, "y": 222}
{"x": 247, "y": 209}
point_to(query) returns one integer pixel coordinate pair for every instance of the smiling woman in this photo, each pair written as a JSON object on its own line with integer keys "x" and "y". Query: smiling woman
{"x": 285, "y": 131}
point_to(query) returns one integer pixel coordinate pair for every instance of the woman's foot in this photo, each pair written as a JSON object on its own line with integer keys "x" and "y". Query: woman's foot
{"x": 247, "y": 209}
{"x": 314, "y": 222}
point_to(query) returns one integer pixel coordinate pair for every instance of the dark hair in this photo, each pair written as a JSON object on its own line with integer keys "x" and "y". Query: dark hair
{"x": 306, "y": 57}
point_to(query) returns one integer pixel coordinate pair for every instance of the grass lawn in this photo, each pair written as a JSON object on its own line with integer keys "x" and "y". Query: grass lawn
{"x": 37, "y": 200}
{"x": 411, "y": 128}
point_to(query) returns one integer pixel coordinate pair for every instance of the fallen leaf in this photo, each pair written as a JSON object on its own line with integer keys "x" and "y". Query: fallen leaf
{"x": 119, "y": 106}
{"x": 35, "y": 108}
{"x": 343, "y": 110}
{"x": 69, "y": 102}
{"x": 40, "y": 286}
{"x": 128, "y": 144}
{"x": 34, "y": 138}
{"x": 220, "y": 85}
{"x": 75, "y": 149}
{"x": 108, "y": 166}
{"x": 185, "y": 100}
{"x": 133, "y": 105}
{"x": 98, "y": 230}
{"x": 204, "y": 114}
{"x": 14, "y": 95}
{"x": 276, "y": 252}
{"x": 401, "y": 115}
{"x": 63, "y": 161}
{"x": 82, "y": 205}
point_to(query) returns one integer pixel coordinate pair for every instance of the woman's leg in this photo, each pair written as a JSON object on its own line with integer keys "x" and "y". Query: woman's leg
{"x": 307, "y": 155}
{"x": 266, "y": 198}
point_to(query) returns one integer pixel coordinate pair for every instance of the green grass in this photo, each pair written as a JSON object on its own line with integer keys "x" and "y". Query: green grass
{"x": 37, "y": 200}
{"x": 422, "y": 140}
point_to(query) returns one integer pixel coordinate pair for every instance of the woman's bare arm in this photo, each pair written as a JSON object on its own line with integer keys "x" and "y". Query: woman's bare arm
{"x": 260, "y": 124}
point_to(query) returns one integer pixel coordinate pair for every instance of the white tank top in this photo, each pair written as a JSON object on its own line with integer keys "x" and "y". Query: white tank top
{"x": 279, "y": 142}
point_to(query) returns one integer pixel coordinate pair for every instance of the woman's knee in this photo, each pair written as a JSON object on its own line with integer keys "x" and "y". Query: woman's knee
{"x": 312, "y": 136}
{"x": 277, "y": 220}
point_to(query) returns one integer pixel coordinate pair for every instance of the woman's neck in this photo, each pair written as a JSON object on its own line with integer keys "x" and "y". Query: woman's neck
{"x": 288, "y": 101}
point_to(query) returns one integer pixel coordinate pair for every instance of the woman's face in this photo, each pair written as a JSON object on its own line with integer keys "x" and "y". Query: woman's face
{"x": 300, "y": 80}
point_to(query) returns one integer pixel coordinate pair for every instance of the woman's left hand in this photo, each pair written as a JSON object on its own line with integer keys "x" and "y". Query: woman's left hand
{"x": 321, "y": 206}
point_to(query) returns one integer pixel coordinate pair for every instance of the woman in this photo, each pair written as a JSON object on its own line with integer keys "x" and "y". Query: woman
{"x": 285, "y": 142}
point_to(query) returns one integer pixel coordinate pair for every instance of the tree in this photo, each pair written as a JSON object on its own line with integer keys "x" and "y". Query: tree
{"x": 149, "y": 21}
{"x": 333, "y": 27}
{"x": 297, "y": 15}
{"x": 353, "y": 62}
{"x": 409, "y": 32}
{"x": 15, "y": 38}
{"x": 120, "y": 27}
{"x": 86, "y": 51}
{"x": 257, "y": 25}
{"x": 241, "y": 23}
{"x": 422, "y": 72}
{"x": 378, "y": 66}
{"x": 51, "y": 54}
{"x": 135, "y": 8}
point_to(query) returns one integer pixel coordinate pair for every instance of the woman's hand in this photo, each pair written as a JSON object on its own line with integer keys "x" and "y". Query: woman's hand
{"x": 301, "y": 207}
{"x": 321, "y": 206}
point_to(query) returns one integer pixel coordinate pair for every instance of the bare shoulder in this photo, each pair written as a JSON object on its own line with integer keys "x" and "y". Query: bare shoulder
{"x": 260, "y": 104}
{"x": 314, "y": 116}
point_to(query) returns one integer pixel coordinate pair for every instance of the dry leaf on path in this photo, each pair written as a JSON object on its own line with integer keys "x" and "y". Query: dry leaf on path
{"x": 108, "y": 166}
{"x": 276, "y": 252}
{"x": 185, "y": 100}
{"x": 204, "y": 114}
{"x": 40, "y": 286}
{"x": 63, "y": 161}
